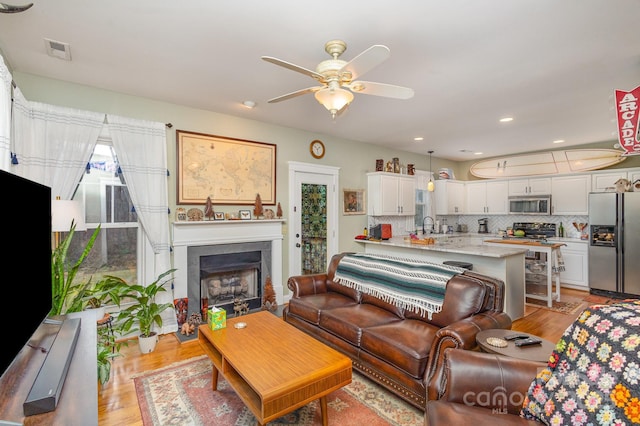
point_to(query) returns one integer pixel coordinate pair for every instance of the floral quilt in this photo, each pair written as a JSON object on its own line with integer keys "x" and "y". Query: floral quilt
{"x": 593, "y": 375}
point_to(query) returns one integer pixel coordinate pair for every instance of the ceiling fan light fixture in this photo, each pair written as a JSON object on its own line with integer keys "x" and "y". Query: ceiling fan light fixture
{"x": 334, "y": 99}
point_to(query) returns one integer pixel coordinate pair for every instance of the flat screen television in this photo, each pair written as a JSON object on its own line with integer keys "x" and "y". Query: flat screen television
{"x": 26, "y": 220}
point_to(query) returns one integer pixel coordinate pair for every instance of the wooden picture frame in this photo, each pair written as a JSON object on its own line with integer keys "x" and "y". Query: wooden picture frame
{"x": 218, "y": 216}
{"x": 353, "y": 202}
{"x": 245, "y": 214}
{"x": 230, "y": 171}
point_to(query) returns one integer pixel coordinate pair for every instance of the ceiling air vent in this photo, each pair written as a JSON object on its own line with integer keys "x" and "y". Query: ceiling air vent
{"x": 58, "y": 49}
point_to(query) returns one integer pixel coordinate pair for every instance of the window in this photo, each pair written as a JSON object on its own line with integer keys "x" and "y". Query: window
{"x": 104, "y": 194}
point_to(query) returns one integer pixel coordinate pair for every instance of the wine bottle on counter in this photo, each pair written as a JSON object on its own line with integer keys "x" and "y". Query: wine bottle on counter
{"x": 561, "y": 230}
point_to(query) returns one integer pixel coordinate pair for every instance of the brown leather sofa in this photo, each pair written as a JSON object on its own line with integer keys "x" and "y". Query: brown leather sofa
{"x": 396, "y": 348}
{"x": 481, "y": 389}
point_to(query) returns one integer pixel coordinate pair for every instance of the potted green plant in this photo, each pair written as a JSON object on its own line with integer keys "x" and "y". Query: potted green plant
{"x": 145, "y": 312}
{"x": 68, "y": 296}
{"x": 108, "y": 348}
{"x": 109, "y": 290}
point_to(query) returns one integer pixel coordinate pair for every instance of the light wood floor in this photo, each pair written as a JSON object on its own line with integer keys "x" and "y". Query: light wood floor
{"x": 118, "y": 404}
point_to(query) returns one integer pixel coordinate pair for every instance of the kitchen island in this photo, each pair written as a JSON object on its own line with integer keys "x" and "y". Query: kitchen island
{"x": 504, "y": 263}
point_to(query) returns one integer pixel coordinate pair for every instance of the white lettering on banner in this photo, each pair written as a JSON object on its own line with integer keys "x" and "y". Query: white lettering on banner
{"x": 627, "y": 103}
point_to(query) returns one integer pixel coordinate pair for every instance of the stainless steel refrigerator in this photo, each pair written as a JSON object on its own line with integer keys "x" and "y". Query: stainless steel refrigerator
{"x": 614, "y": 243}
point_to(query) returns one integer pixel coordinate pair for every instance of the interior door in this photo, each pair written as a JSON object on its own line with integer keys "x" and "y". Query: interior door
{"x": 313, "y": 207}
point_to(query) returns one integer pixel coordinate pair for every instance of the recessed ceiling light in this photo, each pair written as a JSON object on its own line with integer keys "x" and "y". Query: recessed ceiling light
{"x": 249, "y": 104}
{"x": 506, "y": 119}
{"x": 558, "y": 141}
{"x": 478, "y": 153}
{"x": 418, "y": 138}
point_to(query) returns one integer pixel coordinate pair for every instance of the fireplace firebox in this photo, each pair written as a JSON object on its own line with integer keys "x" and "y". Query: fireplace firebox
{"x": 225, "y": 278}
{"x": 220, "y": 274}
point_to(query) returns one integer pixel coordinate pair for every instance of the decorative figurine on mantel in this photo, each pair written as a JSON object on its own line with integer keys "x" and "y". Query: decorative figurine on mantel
{"x": 279, "y": 211}
{"x": 269, "y": 299}
{"x": 258, "y": 211}
{"x": 208, "y": 209}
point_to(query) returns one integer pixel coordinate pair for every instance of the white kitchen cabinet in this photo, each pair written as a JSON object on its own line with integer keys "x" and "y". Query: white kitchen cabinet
{"x": 605, "y": 181}
{"x": 576, "y": 264}
{"x": 533, "y": 186}
{"x": 489, "y": 197}
{"x": 390, "y": 194}
{"x": 570, "y": 194}
{"x": 449, "y": 196}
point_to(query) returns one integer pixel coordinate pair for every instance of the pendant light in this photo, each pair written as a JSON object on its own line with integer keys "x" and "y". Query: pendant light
{"x": 430, "y": 185}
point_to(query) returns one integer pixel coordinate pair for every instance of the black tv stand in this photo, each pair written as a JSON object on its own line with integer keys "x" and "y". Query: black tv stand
{"x": 45, "y": 392}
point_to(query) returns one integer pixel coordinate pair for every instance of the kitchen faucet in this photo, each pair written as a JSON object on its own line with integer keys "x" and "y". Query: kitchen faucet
{"x": 424, "y": 231}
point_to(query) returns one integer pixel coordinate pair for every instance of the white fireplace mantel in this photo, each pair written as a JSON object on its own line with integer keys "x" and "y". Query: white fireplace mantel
{"x": 204, "y": 233}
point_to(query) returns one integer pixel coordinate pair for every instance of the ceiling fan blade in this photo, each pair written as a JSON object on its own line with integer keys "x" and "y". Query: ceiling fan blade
{"x": 381, "y": 89}
{"x": 293, "y": 67}
{"x": 367, "y": 60}
{"x": 294, "y": 94}
{"x": 8, "y": 8}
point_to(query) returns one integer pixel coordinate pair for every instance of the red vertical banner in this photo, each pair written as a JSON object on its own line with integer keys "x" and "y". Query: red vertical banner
{"x": 628, "y": 113}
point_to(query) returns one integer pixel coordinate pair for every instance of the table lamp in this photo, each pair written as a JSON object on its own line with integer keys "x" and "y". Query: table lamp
{"x": 63, "y": 214}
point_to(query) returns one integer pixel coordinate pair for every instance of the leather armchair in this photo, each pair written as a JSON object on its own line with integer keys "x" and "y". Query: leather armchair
{"x": 480, "y": 389}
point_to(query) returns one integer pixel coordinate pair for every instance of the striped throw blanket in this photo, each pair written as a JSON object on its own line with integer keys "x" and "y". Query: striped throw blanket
{"x": 414, "y": 285}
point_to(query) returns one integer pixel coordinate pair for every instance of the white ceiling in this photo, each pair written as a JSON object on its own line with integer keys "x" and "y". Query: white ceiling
{"x": 552, "y": 65}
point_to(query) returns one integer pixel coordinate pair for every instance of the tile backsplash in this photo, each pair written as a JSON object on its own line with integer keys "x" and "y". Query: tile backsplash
{"x": 403, "y": 225}
{"x": 498, "y": 222}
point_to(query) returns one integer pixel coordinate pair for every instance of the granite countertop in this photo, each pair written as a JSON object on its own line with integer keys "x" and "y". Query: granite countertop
{"x": 454, "y": 244}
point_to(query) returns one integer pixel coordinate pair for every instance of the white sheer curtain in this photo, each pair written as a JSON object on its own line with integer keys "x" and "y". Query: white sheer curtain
{"x": 53, "y": 144}
{"x": 5, "y": 116}
{"x": 142, "y": 154}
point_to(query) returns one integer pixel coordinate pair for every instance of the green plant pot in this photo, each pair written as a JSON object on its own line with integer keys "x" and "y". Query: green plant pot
{"x": 148, "y": 344}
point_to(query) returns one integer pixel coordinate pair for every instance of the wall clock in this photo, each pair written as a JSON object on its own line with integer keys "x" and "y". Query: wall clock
{"x": 317, "y": 149}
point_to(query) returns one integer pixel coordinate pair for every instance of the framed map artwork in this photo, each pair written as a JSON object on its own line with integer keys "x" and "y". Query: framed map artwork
{"x": 230, "y": 171}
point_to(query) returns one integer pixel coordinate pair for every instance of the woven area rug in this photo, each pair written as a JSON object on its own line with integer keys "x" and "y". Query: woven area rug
{"x": 181, "y": 394}
{"x": 568, "y": 307}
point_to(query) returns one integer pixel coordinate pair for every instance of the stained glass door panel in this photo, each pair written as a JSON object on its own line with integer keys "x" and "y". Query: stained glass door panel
{"x": 314, "y": 228}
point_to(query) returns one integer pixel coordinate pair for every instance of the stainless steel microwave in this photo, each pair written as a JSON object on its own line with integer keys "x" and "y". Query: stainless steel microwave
{"x": 538, "y": 204}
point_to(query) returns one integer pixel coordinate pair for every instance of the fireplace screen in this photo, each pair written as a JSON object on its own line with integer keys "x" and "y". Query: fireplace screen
{"x": 225, "y": 278}
{"x": 224, "y": 287}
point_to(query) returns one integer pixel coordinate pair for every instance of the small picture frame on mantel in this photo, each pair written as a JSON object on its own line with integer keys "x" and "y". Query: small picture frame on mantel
{"x": 245, "y": 214}
{"x": 218, "y": 216}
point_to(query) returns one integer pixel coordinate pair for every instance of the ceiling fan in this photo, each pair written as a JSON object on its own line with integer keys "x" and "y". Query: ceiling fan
{"x": 336, "y": 76}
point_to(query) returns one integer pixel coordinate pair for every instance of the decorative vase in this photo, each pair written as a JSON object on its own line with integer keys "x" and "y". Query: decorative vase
{"x": 148, "y": 344}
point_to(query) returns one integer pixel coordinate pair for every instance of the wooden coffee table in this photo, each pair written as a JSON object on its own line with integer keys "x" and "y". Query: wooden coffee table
{"x": 273, "y": 367}
{"x": 539, "y": 352}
